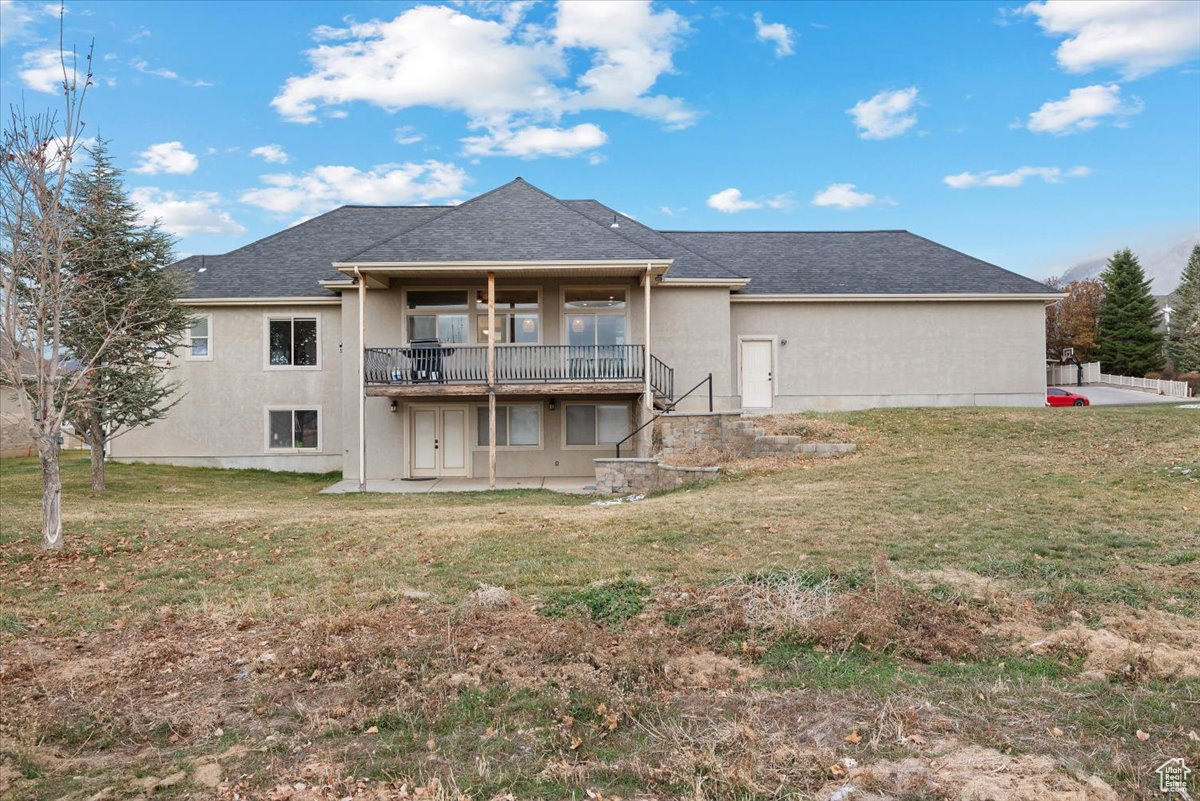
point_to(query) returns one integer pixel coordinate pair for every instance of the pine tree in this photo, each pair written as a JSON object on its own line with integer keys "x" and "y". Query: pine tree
{"x": 1130, "y": 342}
{"x": 1183, "y": 344}
{"x": 122, "y": 268}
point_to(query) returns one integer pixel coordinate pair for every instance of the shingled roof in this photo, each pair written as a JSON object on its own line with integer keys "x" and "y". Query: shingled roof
{"x": 293, "y": 262}
{"x": 852, "y": 263}
{"x": 514, "y": 222}
{"x": 519, "y": 222}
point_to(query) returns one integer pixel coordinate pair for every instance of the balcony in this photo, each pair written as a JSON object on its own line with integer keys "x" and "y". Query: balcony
{"x": 432, "y": 369}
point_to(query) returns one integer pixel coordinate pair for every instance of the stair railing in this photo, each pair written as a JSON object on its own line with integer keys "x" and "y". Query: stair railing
{"x": 669, "y": 407}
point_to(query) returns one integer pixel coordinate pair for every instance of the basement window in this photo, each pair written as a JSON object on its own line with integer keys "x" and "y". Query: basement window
{"x": 517, "y": 425}
{"x": 599, "y": 424}
{"x": 293, "y": 429}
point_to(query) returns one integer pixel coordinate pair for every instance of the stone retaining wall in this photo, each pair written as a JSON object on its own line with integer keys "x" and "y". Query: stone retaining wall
{"x": 734, "y": 434}
{"x": 620, "y": 476}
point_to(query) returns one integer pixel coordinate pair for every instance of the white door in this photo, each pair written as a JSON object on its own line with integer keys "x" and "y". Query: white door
{"x": 758, "y": 374}
{"x": 439, "y": 441}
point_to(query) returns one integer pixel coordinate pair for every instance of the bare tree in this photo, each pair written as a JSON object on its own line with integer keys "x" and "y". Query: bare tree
{"x": 37, "y": 290}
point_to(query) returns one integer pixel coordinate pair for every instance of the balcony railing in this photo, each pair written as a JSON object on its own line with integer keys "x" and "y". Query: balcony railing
{"x": 467, "y": 364}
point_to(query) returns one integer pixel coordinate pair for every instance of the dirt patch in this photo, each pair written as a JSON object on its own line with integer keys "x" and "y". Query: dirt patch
{"x": 708, "y": 671}
{"x": 965, "y": 772}
{"x": 1131, "y": 645}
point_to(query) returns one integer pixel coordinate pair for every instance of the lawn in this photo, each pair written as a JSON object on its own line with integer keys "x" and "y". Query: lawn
{"x": 1011, "y": 592}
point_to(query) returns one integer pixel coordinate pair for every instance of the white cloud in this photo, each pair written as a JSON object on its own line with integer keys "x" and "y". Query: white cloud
{"x": 185, "y": 215}
{"x": 775, "y": 33}
{"x": 1136, "y": 36}
{"x": 1081, "y": 110}
{"x": 730, "y": 201}
{"x": 407, "y": 135}
{"x": 16, "y": 22}
{"x": 271, "y": 153}
{"x": 504, "y": 75}
{"x": 143, "y": 66}
{"x": 531, "y": 142}
{"x": 42, "y": 70}
{"x": 843, "y": 196}
{"x": 885, "y": 115}
{"x": 325, "y": 187}
{"x": 169, "y": 157}
{"x": 1051, "y": 175}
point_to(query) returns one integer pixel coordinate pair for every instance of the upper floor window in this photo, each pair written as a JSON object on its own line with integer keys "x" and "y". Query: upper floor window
{"x": 595, "y": 316}
{"x": 518, "y": 316}
{"x": 292, "y": 342}
{"x": 437, "y": 314}
{"x": 199, "y": 338}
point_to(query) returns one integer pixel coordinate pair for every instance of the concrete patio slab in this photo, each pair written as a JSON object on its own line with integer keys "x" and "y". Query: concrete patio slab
{"x": 577, "y": 485}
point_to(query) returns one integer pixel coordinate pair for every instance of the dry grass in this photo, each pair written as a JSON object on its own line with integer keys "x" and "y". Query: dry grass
{"x": 731, "y": 642}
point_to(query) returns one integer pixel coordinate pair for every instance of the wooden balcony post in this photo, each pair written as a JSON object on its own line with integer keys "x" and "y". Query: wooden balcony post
{"x": 491, "y": 379}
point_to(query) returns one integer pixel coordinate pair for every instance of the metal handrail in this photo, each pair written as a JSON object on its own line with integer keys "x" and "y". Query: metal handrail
{"x": 669, "y": 407}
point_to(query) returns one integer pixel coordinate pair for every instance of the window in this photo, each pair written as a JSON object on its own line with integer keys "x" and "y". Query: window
{"x": 516, "y": 426}
{"x": 597, "y": 425}
{"x": 595, "y": 316}
{"x": 518, "y": 319}
{"x": 437, "y": 314}
{"x": 292, "y": 342}
{"x": 199, "y": 338}
{"x": 293, "y": 429}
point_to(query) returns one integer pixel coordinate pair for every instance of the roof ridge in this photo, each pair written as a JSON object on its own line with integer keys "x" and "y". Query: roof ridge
{"x": 708, "y": 259}
{"x": 516, "y": 181}
{"x": 607, "y": 230}
{"x": 448, "y": 209}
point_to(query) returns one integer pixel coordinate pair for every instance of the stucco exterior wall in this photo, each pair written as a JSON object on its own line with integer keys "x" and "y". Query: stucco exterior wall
{"x": 832, "y": 356}
{"x": 220, "y": 420}
{"x": 690, "y": 331}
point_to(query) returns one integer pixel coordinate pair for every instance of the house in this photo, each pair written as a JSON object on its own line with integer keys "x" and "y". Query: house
{"x": 391, "y": 342}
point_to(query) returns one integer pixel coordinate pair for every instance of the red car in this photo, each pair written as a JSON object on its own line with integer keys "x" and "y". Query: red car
{"x": 1060, "y": 397}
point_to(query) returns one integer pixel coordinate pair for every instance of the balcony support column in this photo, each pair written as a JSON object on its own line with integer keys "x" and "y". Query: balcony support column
{"x": 362, "y": 381}
{"x": 491, "y": 378}
{"x": 649, "y": 391}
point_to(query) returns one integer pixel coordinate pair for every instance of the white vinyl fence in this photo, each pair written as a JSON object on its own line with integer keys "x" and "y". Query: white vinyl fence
{"x": 1064, "y": 375}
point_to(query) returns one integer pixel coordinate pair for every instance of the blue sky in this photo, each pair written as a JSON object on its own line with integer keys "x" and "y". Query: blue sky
{"x": 1029, "y": 135}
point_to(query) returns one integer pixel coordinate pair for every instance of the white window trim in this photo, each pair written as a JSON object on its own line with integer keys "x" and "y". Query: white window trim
{"x": 541, "y": 429}
{"x": 187, "y": 345}
{"x": 565, "y": 312}
{"x": 774, "y": 340}
{"x": 599, "y": 445}
{"x": 304, "y": 407}
{"x": 268, "y": 317}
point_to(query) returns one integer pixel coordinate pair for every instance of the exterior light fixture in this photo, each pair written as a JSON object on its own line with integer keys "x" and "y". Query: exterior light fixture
{"x": 551, "y": 404}
{"x": 394, "y": 405}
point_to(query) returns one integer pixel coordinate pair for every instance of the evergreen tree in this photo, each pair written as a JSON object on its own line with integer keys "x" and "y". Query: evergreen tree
{"x": 122, "y": 269}
{"x": 1184, "y": 342}
{"x": 1130, "y": 340}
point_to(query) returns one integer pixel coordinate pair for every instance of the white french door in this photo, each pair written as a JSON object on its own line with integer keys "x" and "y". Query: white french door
{"x": 438, "y": 441}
